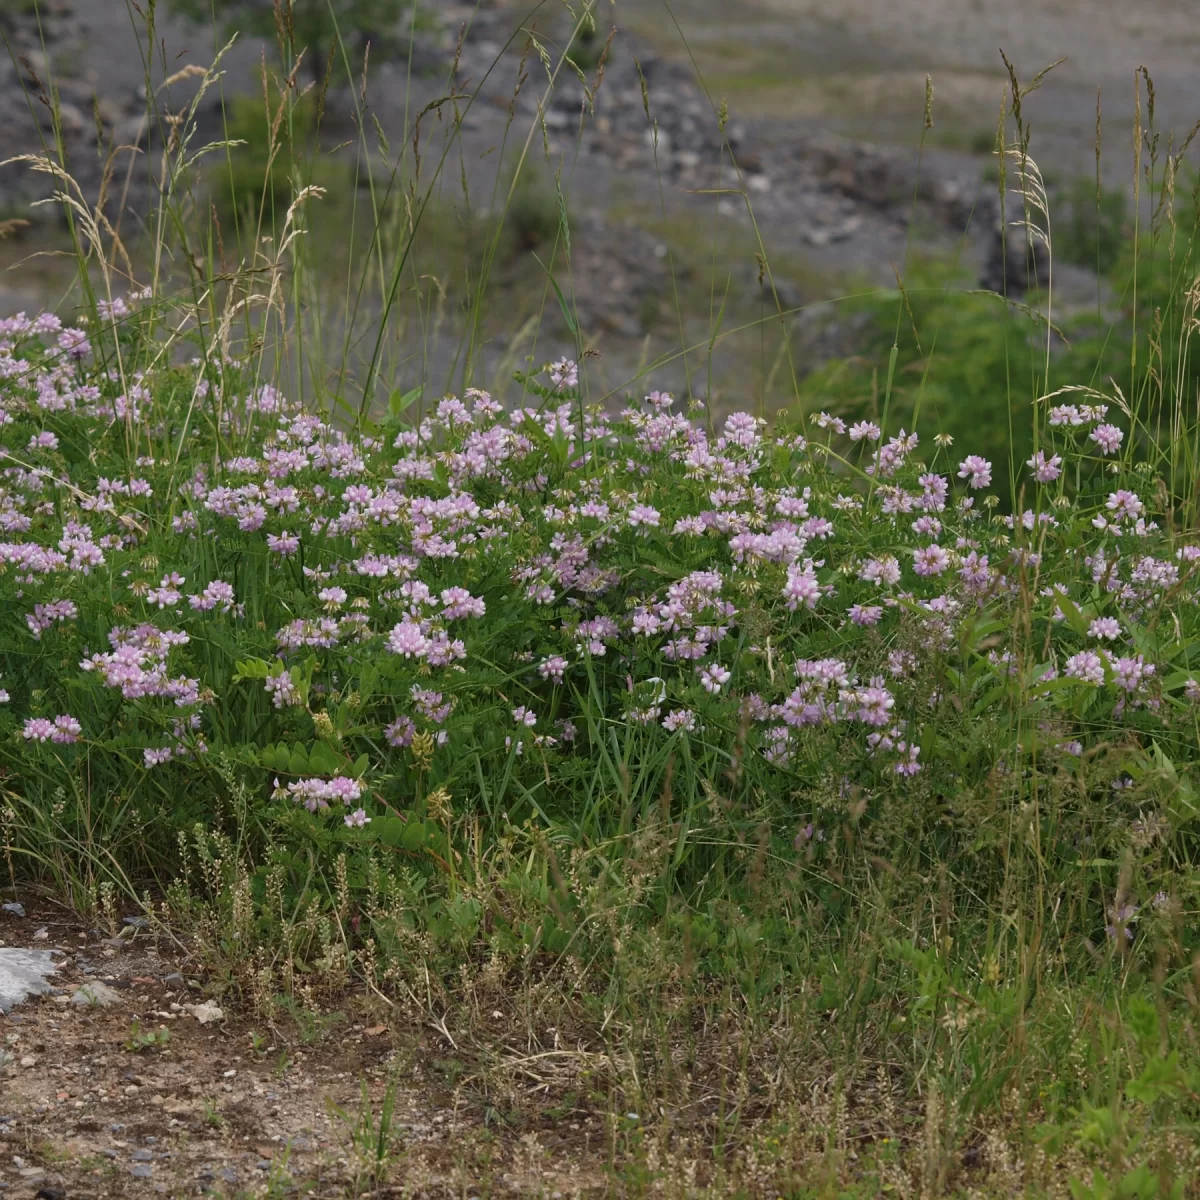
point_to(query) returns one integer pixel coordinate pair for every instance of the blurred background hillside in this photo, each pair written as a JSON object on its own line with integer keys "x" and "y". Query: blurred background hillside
{"x": 745, "y": 174}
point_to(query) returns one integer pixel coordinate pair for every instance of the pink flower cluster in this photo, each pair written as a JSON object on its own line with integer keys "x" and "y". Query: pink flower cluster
{"x": 515, "y": 571}
{"x": 63, "y": 729}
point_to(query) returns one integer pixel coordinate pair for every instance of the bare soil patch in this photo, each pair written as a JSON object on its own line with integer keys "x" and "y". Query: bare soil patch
{"x": 236, "y": 1107}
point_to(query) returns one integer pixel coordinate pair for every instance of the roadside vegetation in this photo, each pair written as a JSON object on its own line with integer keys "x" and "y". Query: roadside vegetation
{"x": 813, "y": 793}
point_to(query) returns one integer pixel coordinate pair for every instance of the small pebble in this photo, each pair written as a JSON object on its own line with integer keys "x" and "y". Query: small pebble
{"x": 142, "y": 1171}
{"x": 13, "y": 908}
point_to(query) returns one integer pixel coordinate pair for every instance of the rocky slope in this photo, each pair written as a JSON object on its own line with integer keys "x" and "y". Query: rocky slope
{"x": 642, "y": 157}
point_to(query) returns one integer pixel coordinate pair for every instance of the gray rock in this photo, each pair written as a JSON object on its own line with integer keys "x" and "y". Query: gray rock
{"x": 1018, "y": 259}
{"x": 833, "y": 233}
{"x": 71, "y": 119}
{"x": 142, "y": 1171}
{"x": 96, "y": 995}
{"x": 110, "y": 112}
{"x": 36, "y": 66}
{"x": 133, "y": 131}
{"x": 23, "y": 974}
{"x": 789, "y": 295}
{"x": 14, "y": 908}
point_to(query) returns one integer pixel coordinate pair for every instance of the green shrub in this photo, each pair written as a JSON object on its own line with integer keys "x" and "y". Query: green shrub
{"x": 1091, "y": 227}
{"x": 257, "y": 178}
{"x": 967, "y": 368}
{"x": 313, "y": 27}
{"x": 586, "y": 48}
{"x": 533, "y": 219}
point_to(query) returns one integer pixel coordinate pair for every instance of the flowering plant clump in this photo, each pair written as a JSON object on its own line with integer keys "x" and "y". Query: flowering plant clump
{"x": 505, "y": 603}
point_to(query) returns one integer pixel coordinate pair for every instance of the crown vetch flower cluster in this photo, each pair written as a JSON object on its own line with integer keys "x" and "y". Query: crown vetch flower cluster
{"x": 486, "y": 582}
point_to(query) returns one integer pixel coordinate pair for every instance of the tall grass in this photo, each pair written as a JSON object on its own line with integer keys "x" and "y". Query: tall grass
{"x": 822, "y": 795}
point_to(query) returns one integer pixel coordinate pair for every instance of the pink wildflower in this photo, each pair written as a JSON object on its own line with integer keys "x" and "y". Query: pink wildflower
{"x": 713, "y": 677}
{"x": 1108, "y": 438}
{"x": 976, "y": 470}
{"x": 1085, "y": 666}
{"x": 930, "y": 560}
{"x": 1045, "y": 470}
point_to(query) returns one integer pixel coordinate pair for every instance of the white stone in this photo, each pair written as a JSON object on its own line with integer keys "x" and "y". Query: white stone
{"x": 205, "y": 1013}
{"x": 23, "y": 974}
{"x": 96, "y": 995}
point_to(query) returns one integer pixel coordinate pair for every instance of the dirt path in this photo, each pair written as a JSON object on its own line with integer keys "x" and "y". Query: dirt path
{"x": 141, "y": 1099}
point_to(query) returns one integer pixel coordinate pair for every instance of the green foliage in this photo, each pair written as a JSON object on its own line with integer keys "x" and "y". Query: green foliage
{"x": 373, "y": 1138}
{"x": 140, "y": 1039}
{"x": 270, "y": 152}
{"x": 315, "y": 28}
{"x": 533, "y": 217}
{"x": 1092, "y": 225}
{"x": 887, "y": 880}
{"x": 969, "y": 366}
{"x": 586, "y": 48}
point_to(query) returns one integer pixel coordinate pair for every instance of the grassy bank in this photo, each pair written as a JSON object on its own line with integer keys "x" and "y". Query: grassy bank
{"x": 810, "y": 795}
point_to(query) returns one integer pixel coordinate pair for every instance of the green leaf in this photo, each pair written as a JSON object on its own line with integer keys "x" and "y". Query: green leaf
{"x": 388, "y": 830}
{"x": 399, "y": 402}
{"x": 367, "y": 678}
{"x": 251, "y": 668}
{"x": 562, "y": 300}
{"x": 1075, "y": 617}
{"x": 414, "y": 835}
{"x": 1161, "y": 1077}
{"x": 324, "y": 760}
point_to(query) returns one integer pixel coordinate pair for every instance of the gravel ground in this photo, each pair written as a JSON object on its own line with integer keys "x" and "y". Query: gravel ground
{"x": 859, "y": 66}
{"x": 138, "y": 1097}
{"x": 1105, "y": 39}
